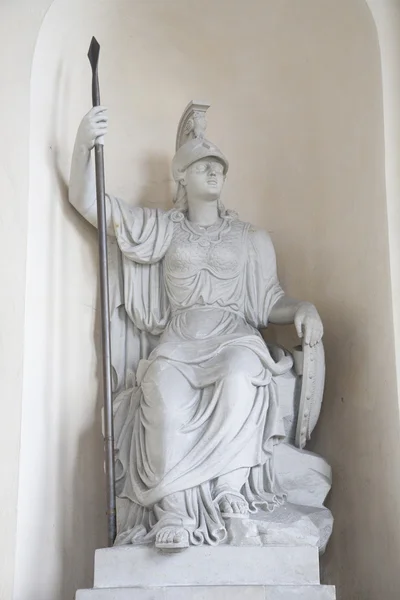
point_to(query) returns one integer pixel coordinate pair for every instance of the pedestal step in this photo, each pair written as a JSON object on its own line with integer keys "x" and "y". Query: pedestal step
{"x": 133, "y": 566}
{"x": 213, "y": 592}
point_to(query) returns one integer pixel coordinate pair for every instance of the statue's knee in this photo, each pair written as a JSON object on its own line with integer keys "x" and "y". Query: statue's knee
{"x": 166, "y": 392}
{"x": 236, "y": 378}
{"x": 241, "y": 363}
{"x": 157, "y": 374}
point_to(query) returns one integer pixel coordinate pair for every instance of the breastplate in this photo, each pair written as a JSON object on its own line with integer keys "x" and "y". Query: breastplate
{"x": 218, "y": 249}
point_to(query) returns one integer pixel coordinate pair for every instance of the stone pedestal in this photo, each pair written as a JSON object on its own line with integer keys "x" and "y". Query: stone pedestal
{"x": 205, "y": 573}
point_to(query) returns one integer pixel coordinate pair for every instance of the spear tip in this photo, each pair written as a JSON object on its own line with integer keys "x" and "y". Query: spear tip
{"x": 93, "y": 54}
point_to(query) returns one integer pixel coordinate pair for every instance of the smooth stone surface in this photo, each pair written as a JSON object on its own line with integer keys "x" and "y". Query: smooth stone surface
{"x": 304, "y": 592}
{"x": 129, "y": 566}
{"x": 255, "y": 592}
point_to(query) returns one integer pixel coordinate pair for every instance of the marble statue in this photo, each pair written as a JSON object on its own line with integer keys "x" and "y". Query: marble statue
{"x": 210, "y": 421}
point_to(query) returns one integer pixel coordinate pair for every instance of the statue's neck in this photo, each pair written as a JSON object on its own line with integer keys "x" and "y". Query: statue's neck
{"x": 203, "y": 212}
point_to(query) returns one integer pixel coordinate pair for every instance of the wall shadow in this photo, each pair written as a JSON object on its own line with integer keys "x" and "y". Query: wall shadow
{"x": 87, "y": 511}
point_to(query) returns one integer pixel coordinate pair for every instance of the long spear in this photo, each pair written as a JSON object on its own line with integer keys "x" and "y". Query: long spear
{"x": 93, "y": 54}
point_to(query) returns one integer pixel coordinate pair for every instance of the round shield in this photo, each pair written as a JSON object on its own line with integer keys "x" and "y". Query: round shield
{"x": 312, "y": 389}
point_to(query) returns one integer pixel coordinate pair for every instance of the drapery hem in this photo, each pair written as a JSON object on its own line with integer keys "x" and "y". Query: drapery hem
{"x": 203, "y": 521}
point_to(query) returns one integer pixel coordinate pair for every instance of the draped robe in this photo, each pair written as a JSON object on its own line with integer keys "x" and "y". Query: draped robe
{"x": 204, "y": 403}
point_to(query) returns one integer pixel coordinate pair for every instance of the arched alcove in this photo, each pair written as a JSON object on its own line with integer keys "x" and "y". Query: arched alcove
{"x": 297, "y": 107}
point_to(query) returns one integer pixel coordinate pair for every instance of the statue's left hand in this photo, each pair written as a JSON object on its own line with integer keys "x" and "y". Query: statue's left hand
{"x": 308, "y": 324}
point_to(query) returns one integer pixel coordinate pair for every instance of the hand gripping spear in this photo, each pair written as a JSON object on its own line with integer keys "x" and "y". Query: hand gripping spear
{"x": 93, "y": 55}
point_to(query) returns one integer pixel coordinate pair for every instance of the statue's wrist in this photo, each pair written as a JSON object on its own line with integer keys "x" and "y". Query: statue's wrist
{"x": 305, "y": 305}
{"x": 83, "y": 149}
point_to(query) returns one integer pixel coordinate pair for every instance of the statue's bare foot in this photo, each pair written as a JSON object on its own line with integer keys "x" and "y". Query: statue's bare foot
{"x": 172, "y": 539}
{"x": 233, "y": 506}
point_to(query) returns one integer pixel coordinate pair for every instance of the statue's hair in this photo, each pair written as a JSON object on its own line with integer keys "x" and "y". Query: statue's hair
{"x": 180, "y": 200}
{"x": 181, "y": 203}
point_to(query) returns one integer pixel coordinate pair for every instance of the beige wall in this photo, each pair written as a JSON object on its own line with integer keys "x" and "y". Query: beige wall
{"x": 297, "y": 107}
{"x": 326, "y": 173}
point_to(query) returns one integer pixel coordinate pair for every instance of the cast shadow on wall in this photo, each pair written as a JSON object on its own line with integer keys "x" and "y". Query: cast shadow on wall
{"x": 82, "y": 505}
{"x": 88, "y": 510}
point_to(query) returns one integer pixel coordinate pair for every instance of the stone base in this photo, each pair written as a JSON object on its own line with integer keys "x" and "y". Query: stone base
{"x": 138, "y": 566}
{"x": 213, "y": 592}
{"x": 208, "y": 573}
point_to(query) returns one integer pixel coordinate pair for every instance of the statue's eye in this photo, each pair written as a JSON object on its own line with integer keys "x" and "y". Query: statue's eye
{"x": 201, "y": 168}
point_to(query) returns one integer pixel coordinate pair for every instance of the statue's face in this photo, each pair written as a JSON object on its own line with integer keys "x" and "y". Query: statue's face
{"x": 205, "y": 179}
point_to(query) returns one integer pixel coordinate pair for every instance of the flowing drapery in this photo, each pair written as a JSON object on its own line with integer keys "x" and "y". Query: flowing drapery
{"x": 204, "y": 401}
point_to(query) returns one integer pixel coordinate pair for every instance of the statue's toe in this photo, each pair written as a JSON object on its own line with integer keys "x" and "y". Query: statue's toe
{"x": 225, "y": 507}
{"x": 172, "y": 539}
{"x": 179, "y": 536}
{"x": 163, "y": 536}
{"x": 232, "y": 506}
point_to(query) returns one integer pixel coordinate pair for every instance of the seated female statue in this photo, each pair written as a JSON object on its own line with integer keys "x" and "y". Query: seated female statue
{"x": 195, "y": 436}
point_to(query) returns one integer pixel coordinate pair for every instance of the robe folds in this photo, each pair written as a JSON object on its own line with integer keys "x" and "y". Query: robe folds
{"x": 202, "y": 402}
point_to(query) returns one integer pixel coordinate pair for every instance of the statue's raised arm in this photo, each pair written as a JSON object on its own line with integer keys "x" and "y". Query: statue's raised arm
{"x": 82, "y": 183}
{"x": 142, "y": 233}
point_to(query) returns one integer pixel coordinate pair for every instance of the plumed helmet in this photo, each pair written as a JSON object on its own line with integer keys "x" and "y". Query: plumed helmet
{"x": 191, "y": 145}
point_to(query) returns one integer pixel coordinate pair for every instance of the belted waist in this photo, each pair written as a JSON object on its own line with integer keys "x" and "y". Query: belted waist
{"x": 199, "y": 307}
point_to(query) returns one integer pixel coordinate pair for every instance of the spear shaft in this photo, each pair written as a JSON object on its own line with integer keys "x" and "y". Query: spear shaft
{"x": 93, "y": 55}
